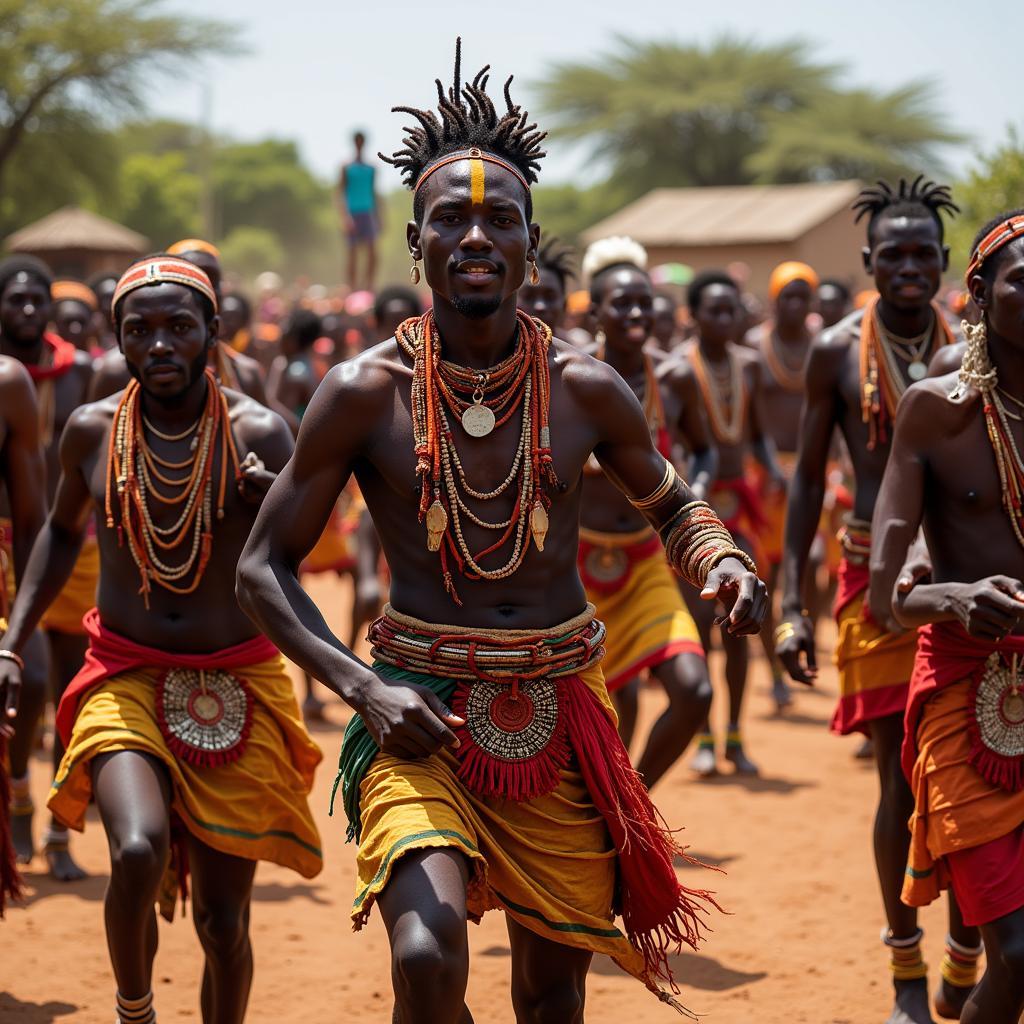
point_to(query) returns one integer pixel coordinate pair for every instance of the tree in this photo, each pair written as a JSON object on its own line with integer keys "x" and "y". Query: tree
{"x": 159, "y": 198}
{"x": 668, "y": 113}
{"x": 994, "y": 185}
{"x": 70, "y": 61}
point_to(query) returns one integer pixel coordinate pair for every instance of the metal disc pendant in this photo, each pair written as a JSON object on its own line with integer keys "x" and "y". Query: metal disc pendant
{"x": 917, "y": 370}
{"x": 477, "y": 420}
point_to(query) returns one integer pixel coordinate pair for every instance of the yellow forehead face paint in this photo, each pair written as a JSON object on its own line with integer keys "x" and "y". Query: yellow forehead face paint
{"x": 476, "y": 180}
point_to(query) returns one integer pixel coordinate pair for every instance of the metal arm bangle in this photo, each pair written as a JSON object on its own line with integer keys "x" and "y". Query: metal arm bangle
{"x": 11, "y": 656}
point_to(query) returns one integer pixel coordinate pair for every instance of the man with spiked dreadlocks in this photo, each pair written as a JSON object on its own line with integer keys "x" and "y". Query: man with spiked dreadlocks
{"x": 856, "y": 373}
{"x": 964, "y": 745}
{"x": 483, "y": 769}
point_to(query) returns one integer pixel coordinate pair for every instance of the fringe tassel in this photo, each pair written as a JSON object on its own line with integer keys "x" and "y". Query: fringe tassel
{"x": 10, "y": 877}
{"x": 658, "y": 912}
{"x": 1005, "y": 772}
{"x": 489, "y": 776}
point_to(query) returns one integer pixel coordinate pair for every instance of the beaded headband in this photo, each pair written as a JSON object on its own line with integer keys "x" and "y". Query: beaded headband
{"x": 193, "y": 245}
{"x": 1001, "y": 235}
{"x": 471, "y": 154}
{"x": 74, "y": 290}
{"x": 161, "y": 270}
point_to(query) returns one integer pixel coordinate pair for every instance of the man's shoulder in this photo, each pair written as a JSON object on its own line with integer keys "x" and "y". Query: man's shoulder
{"x": 676, "y": 369}
{"x": 87, "y": 426}
{"x": 13, "y": 375}
{"x": 581, "y": 372}
{"x": 252, "y": 420}
{"x": 935, "y": 406}
{"x": 840, "y": 336}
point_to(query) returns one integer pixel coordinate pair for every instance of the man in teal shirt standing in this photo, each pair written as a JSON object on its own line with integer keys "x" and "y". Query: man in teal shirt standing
{"x": 357, "y": 203}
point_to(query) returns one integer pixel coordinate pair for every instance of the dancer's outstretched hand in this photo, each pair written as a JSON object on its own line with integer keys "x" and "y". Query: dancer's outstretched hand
{"x": 745, "y": 597}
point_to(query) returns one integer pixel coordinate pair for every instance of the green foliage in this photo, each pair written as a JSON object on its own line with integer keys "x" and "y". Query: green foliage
{"x": 159, "y": 198}
{"x": 248, "y": 251}
{"x": 65, "y": 61}
{"x": 734, "y": 112}
{"x": 994, "y": 185}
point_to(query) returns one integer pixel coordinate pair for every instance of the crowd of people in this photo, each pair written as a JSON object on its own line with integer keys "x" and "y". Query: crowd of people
{"x": 552, "y": 482}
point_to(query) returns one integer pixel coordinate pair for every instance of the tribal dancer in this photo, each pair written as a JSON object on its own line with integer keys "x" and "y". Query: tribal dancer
{"x": 61, "y": 374}
{"x": 74, "y": 312}
{"x": 182, "y": 725}
{"x": 856, "y": 373}
{"x": 483, "y": 769}
{"x": 956, "y": 467}
{"x": 556, "y": 269}
{"x": 832, "y": 301}
{"x": 783, "y": 342}
{"x": 23, "y": 478}
{"x": 730, "y": 379}
{"x": 622, "y": 562}
{"x": 234, "y": 369}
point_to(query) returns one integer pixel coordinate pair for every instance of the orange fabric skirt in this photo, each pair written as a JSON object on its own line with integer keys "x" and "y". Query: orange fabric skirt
{"x": 963, "y": 830}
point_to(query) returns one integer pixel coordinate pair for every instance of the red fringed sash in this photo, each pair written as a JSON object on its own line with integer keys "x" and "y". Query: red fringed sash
{"x": 946, "y": 654}
{"x": 10, "y": 877}
{"x": 658, "y": 912}
{"x": 110, "y": 653}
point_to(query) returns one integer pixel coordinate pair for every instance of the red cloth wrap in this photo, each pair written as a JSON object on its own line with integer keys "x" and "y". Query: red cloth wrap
{"x": 852, "y": 581}
{"x": 110, "y": 653}
{"x": 946, "y": 654}
{"x": 63, "y": 358}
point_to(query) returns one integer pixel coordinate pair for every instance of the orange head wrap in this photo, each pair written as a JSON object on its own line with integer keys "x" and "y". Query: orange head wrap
{"x": 161, "y": 269}
{"x": 193, "y": 245}
{"x": 74, "y": 290}
{"x": 788, "y": 272}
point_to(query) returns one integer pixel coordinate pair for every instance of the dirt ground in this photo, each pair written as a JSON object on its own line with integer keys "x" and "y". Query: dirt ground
{"x": 801, "y": 945}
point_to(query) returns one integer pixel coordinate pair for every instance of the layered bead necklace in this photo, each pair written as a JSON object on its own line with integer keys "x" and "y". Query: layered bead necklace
{"x": 881, "y": 379}
{"x": 143, "y": 482}
{"x": 653, "y": 406}
{"x": 482, "y": 401}
{"x": 785, "y": 376}
{"x": 725, "y": 400}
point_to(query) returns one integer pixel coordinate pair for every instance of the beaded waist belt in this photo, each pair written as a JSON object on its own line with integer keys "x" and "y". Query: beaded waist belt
{"x": 855, "y": 538}
{"x": 460, "y": 652}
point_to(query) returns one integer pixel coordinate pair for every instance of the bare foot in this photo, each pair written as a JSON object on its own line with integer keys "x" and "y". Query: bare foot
{"x": 744, "y": 766}
{"x": 950, "y": 999}
{"x": 62, "y": 865}
{"x": 911, "y": 1006}
{"x": 21, "y": 834}
{"x": 703, "y": 762}
{"x": 313, "y": 709}
{"x": 781, "y": 694}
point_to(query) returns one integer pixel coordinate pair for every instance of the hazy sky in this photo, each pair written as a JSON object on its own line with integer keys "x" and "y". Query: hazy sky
{"x": 316, "y": 71}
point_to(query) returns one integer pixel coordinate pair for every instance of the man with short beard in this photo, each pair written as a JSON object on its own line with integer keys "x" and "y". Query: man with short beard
{"x": 856, "y": 373}
{"x": 183, "y": 725}
{"x": 62, "y": 375}
{"x": 483, "y": 769}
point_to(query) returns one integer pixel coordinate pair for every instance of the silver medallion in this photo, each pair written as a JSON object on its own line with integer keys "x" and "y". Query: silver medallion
{"x": 477, "y": 420}
{"x": 917, "y": 370}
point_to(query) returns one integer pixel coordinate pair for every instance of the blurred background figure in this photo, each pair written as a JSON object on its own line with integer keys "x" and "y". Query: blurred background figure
{"x": 833, "y": 301}
{"x": 357, "y": 205}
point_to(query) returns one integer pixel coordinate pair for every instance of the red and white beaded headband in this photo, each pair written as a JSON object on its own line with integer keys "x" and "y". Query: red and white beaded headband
{"x": 164, "y": 270}
{"x": 1000, "y": 236}
{"x": 472, "y": 154}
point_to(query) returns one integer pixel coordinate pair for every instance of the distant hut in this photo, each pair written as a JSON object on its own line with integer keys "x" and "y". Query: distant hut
{"x": 76, "y": 243}
{"x": 759, "y": 225}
